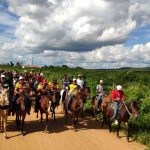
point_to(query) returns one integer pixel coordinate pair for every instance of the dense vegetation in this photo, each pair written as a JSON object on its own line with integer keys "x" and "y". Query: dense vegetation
{"x": 136, "y": 85}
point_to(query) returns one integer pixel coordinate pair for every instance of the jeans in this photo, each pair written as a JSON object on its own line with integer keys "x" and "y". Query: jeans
{"x": 99, "y": 100}
{"x": 116, "y": 109}
{"x": 70, "y": 96}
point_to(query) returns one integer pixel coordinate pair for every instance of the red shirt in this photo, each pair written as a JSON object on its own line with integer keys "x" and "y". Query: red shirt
{"x": 38, "y": 78}
{"x": 117, "y": 95}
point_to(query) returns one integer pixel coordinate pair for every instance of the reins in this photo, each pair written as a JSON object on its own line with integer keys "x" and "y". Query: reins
{"x": 130, "y": 114}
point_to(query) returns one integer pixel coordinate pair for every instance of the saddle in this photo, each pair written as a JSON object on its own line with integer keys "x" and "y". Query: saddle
{"x": 119, "y": 106}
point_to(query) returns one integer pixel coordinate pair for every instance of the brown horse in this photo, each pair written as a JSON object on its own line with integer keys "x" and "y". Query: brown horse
{"x": 85, "y": 95}
{"x": 125, "y": 110}
{"x": 76, "y": 108}
{"x": 21, "y": 108}
{"x": 55, "y": 98}
{"x": 105, "y": 100}
{"x": 4, "y": 106}
{"x": 44, "y": 108}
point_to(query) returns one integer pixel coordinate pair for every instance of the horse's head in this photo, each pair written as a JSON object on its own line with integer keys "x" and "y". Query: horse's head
{"x": 85, "y": 92}
{"x": 134, "y": 109}
{"x": 32, "y": 93}
{"x": 21, "y": 101}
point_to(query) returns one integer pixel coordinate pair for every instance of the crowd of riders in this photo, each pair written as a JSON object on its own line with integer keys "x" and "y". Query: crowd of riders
{"x": 27, "y": 81}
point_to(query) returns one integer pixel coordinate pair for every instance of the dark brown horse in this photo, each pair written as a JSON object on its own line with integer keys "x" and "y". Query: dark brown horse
{"x": 55, "y": 98}
{"x": 21, "y": 109}
{"x": 85, "y": 95}
{"x": 102, "y": 107}
{"x": 125, "y": 110}
{"x": 76, "y": 108}
{"x": 44, "y": 108}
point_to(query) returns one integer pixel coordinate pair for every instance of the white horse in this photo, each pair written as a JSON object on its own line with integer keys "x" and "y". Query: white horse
{"x": 4, "y": 106}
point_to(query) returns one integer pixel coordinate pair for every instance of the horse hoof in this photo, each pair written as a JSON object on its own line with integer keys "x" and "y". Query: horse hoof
{"x": 6, "y": 137}
{"x": 2, "y": 131}
{"x": 46, "y": 131}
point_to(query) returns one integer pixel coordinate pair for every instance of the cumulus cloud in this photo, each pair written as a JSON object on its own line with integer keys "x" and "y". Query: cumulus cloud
{"x": 87, "y": 32}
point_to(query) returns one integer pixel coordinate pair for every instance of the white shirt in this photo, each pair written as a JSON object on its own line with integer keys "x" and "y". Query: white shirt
{"x": 80, "y": 83}
{"x": 100, "y": 89}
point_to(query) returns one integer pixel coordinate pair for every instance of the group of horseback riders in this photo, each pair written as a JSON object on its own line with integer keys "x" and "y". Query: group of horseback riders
{"x": 117, "y": 96}
{"x": 24, "y": 83}
{"x": 72, "y": 95}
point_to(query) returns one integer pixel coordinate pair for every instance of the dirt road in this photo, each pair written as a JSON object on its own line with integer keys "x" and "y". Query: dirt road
{"x": 90, "y": 136}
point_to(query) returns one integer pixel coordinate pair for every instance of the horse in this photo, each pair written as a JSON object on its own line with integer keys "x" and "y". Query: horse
{"x": 105, "y": 100}
{"x": 125, "y": 110}
{"x": 21, "y": 108}
{"x": 85, "y": 95}
{"x": 55, "y": 98}
{"x": 44, "y": 107}
{"x": 76, "y": 107}
{"x": 4, "y": 107}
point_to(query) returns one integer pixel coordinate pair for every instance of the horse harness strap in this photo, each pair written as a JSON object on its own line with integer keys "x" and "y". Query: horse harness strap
{"x": 127, "y": 109}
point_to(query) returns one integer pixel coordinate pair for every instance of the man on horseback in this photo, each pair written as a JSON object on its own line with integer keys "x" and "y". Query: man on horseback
{"x": 2, "y": 82}
{"x": 21, "y": 88}
{"x": 72, "y": 92}
{"x": 80, "y": 82}
{"x": 100, "y": 91}
{"x": 41, "y": 91}
{"x": 117, "y": 96}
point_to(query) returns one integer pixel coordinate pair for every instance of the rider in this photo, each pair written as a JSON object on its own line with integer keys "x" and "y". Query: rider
{"x": 53, "y": 86}
{"x": 117, "y": 96}
{"x": 65, "y": 83}
{"x": 72, "y": 91}
{"x": 41, "y": 91}
{"x": 80, "y": 82}
{"x": 2, "y": 82}
{"x": 21, "y": 88}
{"x": 100, "y": 91}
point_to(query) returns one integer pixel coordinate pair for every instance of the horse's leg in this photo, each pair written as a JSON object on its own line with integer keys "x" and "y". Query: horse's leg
{"x": 17, "y": 120}
{"x": 65, "y": 115}
{"x": 22, "y": 123}
{"x": 94, "y": 113}
{"x": 37, "y": 115}
{"x": 1, "y": 116}
{"x": 128, "y": 131}
{"x": 54, "y": 114}
{"x": 5, "y": 124}
{"x": 103, "y": 121}
{"x": 74, "y": 123}
{"x": 46, "y": 127}
{"x": 0, "y": 122}
{"x": 82, "y": 115}
{"x": 118, "y": 128}
{"x": 109, "y": 122}
{"x": 41, "y": 117}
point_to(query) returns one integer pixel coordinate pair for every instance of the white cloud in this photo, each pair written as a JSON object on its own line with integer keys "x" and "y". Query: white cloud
{"x": 86, "y": 33}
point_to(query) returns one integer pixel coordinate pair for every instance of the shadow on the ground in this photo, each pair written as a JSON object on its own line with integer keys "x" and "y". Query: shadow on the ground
{"x": 57, "y": 126}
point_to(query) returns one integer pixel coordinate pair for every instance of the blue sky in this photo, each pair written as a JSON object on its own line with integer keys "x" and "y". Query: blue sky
{"x": 7, "y": 24}
{"x": 71, "y": 33}
{"x": 140, "y": 35}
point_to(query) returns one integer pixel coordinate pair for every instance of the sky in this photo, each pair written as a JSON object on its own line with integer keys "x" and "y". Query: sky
{"x": 91, "y": 34}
